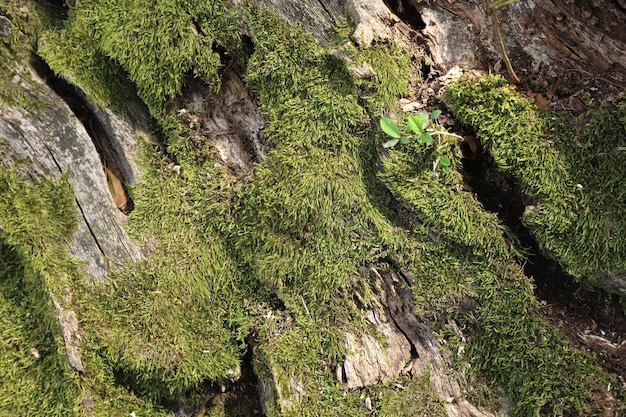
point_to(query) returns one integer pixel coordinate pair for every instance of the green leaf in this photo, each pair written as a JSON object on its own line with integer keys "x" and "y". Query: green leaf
{"x": 444, "y": 161}
{"x": 391, "y": 143}
{"x": 390, "y": 128}
{"x": 416, "y": 125}
{"x": 404, "y": 140}
{"x": 426, "y": 138}
{"x": 436, "y": 113}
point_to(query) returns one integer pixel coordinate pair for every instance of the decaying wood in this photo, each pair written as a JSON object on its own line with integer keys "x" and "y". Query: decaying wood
{"x": 459, "y": 33}
{"x": 429, "y": 355}
{"x": 230, "y": 120}
{"x": 555, "y": 35}
{"x": 50, "y": 141}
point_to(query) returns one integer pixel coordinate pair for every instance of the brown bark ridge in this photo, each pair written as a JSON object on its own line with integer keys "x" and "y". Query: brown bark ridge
{"x": 558, "y": 36}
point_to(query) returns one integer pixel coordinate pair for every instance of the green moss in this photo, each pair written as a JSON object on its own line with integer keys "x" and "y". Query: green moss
{"x": 573, "y": 172}
{"x": 38, "y": 220}
{"x": 167, "y": 324}
{"x": 157, "y": 43}
{"x": 391, "y": 69}
{"x": 305, "y": 226}
{"x": 520, "y": 352}
{"x": 464, "y": 256}
{"x": 81, "y": 63}
{"x": 282, "y": 255}
{"x": 437, "y": 199}
{"x": 409, "y": 398}
{"x": 35, "y": 378}
{"x": 392, "y": 74}
{"x": 309, "y": 94}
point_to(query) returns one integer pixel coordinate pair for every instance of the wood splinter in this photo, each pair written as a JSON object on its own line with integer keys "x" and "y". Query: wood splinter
{"x": 117, "y": 190}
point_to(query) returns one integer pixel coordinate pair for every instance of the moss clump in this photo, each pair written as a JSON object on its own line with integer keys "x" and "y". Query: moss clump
{"x": 35, "y": 378}
{"x": 392, "y": 402}
{"x": 519, "y": 351}
{"x": 38, "y": 220}
{"x": 436, "y": 197}
{"x": 508, "y": 341}
{"x": 467, "y": 271}
{"x": 407, "y": 397}
{"x": 573, "y": 172}
{"x": 305, "y": 227}
{"x": 158, "y": 43}
{"x": 386, "y": 70}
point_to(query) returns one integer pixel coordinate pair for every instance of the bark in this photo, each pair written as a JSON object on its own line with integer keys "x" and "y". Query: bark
{"x": 549, "y": 35}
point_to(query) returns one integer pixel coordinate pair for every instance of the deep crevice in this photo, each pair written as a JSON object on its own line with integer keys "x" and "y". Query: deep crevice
{"x": 501, "y": 193}
{"x": 116, "y": 179}
{"x": 407, "y": 13}
{"x": 568, "y": 305}
{"x": 239, "y": 398}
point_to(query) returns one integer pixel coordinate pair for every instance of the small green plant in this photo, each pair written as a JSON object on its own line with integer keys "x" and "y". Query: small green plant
{"x": 425, "y": 128}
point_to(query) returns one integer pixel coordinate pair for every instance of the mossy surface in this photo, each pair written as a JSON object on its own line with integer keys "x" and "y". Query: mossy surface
{"x": 574, "y": 172}
{"x": 168, "y": 324}
{"x": 276, "y": 257}
{"x": 305, "y": 227}
{"x": 508, "y": 341}
{"x": 158, "y": 43}
{"x": 416, "y": 392}
{"x": 35, "y": 378}
{"x": 28, "y": 20}
{"x": 38, "y": 220}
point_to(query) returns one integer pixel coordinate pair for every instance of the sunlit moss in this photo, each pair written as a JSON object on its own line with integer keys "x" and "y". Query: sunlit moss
{"x": 574, "y": 172}
{"x": 280, "y": 256}
{"x": 305, "y": 227}
{"x": 157, "y": 43}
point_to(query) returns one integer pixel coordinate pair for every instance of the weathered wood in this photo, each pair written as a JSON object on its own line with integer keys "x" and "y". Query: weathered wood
{"x": 49, "y": 141}
{"x": 458, "y": 33}
{"x": 549, "y": 35}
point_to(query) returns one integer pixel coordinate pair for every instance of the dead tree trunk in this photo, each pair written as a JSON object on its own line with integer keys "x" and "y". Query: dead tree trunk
{"x": 550, "y": 37}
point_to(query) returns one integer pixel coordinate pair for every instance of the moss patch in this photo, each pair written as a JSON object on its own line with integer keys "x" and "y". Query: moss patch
{"x": 157, "y": 43}
{"x": 465, "y": 256}
{"x": 305, "y": 225}
{"x": 574, "y": 173}
{"x": 38, "y": 219}
{"x": 35, "y": 378}
{"x": 168, "y": 324}
{"x": 393, "y": 401}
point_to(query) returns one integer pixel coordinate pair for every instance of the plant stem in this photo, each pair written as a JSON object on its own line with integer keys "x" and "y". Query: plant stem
{"x": 509, "y": 67}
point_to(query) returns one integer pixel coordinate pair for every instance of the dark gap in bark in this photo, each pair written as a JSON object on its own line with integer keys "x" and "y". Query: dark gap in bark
{"x": 58, "y": 8}
{"x": 240, "y": 398}
{"x": 575, "y": 310}
{"x": 502, "y": 194}
{"x": 407, "y": 13}
{"x": 110, "y": 163}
